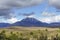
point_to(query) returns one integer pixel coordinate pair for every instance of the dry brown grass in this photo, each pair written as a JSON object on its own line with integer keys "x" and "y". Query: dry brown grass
{"x": 51, "y": 31}
{"x": 16, "y": 28}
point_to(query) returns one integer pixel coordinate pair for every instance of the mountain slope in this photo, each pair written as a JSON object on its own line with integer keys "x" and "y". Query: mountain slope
{"x": 4, "y": 24}
{"x": 30, "y": 22}
{"x": 55, "y": 24}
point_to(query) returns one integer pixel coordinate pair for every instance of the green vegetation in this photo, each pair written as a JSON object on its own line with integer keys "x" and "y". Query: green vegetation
{"x": 45, "y": 34}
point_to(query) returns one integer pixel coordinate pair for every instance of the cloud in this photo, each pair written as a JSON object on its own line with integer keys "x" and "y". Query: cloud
{"x": 31, "y": 16}
{"x": 6, "y": 13}
{"x": 47, "y": 20}
{"x": 51, "y": 19}
{"x": 7, "y": 5}
{"x": 26, "y": 14}
{"x": 48, "y": 14}
{"x": 18, "y": 3}
{"x": 12, "y": 20}
{"x": 55, "y": 3}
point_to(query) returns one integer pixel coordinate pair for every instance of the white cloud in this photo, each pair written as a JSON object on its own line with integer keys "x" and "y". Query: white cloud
{"x": 51, "y": 19}
{"x": 31, "y": 16}
{"x": 57, "y": 18}
{"x": 48, "y": 14}
{"x": 12, "y": 20}
{"x": 47, "y": 20}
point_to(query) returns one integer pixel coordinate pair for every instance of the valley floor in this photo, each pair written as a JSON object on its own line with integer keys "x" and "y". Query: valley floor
{"x": 31, "y": 33}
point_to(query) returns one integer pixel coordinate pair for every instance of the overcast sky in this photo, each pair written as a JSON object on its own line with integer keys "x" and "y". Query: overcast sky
{"x": 12, "y": 11}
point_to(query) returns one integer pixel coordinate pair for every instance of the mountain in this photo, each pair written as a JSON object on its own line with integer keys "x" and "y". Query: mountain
{"x": 54, "y": 24}
{"x": 30, "y": 22}
{"x": 4, "y": 25}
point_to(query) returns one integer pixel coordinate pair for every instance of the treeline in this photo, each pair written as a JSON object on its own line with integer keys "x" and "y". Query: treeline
{"x": 32, "y": 35}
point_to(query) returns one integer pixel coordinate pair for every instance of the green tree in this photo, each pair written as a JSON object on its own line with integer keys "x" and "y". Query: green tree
{"x": 43, "y": 37}
{"x": 3, "y": 35}
{"x": 13, "y": 37}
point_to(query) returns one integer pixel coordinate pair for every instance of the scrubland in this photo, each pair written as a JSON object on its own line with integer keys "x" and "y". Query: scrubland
{"x": 29, "y": 33}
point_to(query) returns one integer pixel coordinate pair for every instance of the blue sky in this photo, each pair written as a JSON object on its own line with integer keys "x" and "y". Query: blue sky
{"x": 42, "y": 11}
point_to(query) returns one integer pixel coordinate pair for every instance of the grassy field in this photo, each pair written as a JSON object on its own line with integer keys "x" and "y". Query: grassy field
{"x": 29, "y": 29}
{"x": 29, "y": 32}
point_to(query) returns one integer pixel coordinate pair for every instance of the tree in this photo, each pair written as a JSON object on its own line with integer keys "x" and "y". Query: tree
{"x": 3, "y": 35}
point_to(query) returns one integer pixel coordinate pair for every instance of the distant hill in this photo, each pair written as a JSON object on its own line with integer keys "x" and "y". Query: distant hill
{"x": 29, "y": 22}
{"x": 55, "y": 24}
{"x": 4, "y": 25}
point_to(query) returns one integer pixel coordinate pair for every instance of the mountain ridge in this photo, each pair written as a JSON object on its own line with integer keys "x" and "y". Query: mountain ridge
{"x": 29, "y": 22}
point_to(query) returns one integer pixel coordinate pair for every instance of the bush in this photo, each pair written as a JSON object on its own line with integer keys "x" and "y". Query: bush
{"x": 32, "y": 35}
